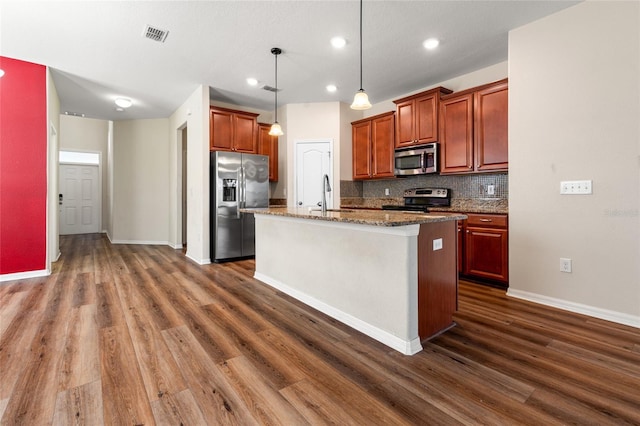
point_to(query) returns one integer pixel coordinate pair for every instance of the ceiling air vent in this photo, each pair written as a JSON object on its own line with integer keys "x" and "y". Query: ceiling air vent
{"x": 155, "y": 34}
{"x": 271, "y": 89}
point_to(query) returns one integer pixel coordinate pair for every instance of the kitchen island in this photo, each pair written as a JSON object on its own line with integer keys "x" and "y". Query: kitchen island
{"x": 391, "y": 275}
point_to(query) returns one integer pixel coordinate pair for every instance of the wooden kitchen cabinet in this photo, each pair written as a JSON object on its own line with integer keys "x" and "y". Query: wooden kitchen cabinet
{"x": 232, "y": 130}
{"x": 268, "y": 145}
{"x": 486, "y": 247}
{"x": 373, "y": 147}
{"x": 417, "y": 118}
{"x": 474, "y": 129}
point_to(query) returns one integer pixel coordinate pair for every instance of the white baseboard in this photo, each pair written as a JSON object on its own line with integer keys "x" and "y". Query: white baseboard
{"x": 141, "y": 242}
{"x": 198, "y": 261}
{"x": 605, "y": 314}
{"x": 407, "y": 347}
{"x": 23, "y": 275}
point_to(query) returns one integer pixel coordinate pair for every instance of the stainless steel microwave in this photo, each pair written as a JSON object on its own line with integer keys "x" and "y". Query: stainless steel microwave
{"x": 416, "y": 161}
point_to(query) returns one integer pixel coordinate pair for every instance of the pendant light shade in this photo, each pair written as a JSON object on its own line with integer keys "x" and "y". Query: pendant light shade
{"x": 276, "y": 130}
{"x": 361, "y": 100}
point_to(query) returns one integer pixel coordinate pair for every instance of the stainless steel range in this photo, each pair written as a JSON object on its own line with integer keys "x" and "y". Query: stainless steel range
{"x": 420, "y": 199}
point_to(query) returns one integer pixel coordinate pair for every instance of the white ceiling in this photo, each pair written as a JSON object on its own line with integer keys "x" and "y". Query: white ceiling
{"x": 97, "y": 51}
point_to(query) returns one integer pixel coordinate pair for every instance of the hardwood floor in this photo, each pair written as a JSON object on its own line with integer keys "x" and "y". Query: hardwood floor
{"x": 132, "y": 334}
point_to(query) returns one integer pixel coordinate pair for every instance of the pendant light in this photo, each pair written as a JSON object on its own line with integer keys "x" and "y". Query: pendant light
{"x": 361, "y": 100}
{"x": 276, "y": 130}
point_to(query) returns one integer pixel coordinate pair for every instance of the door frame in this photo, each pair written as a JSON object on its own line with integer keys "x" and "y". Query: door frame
{"x": 296, "y": 144}
{"x": 100, "y": 228}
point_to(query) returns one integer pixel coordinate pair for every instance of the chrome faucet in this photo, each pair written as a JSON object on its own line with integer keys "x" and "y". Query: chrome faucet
{"x": 326, "y": 187}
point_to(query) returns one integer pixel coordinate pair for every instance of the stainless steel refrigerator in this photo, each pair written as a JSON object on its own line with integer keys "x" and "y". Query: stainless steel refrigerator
{"x": 237, "y": 181}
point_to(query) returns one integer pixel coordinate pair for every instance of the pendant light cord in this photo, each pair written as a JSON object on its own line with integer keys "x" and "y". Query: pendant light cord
{"x": 276, "y": 105}
{"x": 361, "y": 89}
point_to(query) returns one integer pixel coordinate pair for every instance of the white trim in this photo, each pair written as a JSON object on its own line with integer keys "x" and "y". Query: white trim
{"x": 142, "y": 242}
{"x": 407, "y": 347}
{"x": 605, "y": 314}
{"x": 199, "y": 262}
{"x": 23, "y": 275}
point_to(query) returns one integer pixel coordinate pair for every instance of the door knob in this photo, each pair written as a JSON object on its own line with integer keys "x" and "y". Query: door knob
{"x": 299, "y": 203}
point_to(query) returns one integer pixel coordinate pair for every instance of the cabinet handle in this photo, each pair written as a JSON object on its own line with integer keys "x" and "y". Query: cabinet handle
{"x": 485, "y": 220}
{"x": 467, "y": 231}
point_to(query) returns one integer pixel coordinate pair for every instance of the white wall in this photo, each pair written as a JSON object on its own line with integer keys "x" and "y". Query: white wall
{"x": 311, "y": 121}
{"x": 194, "y": 113}
{"x": 141, "y": 181}
{"x": 91, "y": 135}
{"x": 476, "y": 78}
{"x": 574, "y": 108}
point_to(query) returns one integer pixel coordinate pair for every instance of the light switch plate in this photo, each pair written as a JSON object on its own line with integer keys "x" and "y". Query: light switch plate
{"x": 575, "y": 187}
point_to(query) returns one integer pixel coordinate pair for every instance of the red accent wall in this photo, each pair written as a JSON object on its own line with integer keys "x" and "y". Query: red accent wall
{"x": 23, "y": 166}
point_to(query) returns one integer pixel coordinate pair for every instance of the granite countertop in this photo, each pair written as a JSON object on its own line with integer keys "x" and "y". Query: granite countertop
{"x": 359, "y": 216}
{"x": 465, "y": 205}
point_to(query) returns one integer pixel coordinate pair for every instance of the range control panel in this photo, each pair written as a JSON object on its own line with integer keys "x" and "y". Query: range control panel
{"x": 426, "y": 193}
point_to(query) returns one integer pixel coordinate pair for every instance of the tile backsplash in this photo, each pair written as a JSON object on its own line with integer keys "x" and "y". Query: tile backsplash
{"x": 462, "y": 186}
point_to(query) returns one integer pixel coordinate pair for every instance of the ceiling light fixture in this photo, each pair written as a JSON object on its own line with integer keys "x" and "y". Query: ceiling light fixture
{"x": 361, "y": 100}
{"x": 276, "y": 130}
{"x": 252, "y": 81}
{"x": 124, "y": 102}
{"x": 338, "y": 42}
{"x": 431, "y": 43}
{"x": 331, "y": 88}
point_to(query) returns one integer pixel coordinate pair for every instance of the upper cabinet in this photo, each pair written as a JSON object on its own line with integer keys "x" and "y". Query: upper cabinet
{"x": 417, "y": 118}
{"x": 232, "y": 130}
{"x": 373, "y": 147}
{"x": 268, "y": 145}
{"x": 474, "y": 129}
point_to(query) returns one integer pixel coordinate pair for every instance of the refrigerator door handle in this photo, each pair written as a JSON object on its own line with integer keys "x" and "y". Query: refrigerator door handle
{"x": 238, "y": 191}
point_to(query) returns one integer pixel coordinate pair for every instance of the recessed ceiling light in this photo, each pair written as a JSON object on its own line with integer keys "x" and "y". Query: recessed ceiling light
{"x": 338, "y": 42}
{"x": 124, "y": 102}
{"x": 252, "y": 81}
{"x": 331, "y": 88}
{"x": 431, "y": 43}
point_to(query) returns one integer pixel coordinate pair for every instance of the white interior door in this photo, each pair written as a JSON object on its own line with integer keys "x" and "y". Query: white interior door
{"x": 79, "y": 200}
{"x": 313, "y": 161}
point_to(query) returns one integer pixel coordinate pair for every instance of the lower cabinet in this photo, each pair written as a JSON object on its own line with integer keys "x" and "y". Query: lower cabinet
{"x": 483, "y": 248}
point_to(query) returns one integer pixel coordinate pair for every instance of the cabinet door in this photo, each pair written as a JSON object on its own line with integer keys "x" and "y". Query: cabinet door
{"x": 426, "y": 119}
{"x": 486, "y": 253}
{"x": 244, "y": 137}
{"x": 382, "y": 134}
{"x": 491, "y": 128}
{"x": 456, "y": 142}
{"x": 361, "y": 140}
{"x": 405, "y": 135}
{"x": 268, "y": 145}
{"x": 221, "y": 130}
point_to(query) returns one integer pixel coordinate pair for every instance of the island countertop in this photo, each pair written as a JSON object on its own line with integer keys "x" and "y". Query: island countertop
{"x": 360, "y": 216}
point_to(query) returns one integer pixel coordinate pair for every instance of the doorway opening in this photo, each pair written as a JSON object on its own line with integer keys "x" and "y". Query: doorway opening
{"x": 182, "y": 187}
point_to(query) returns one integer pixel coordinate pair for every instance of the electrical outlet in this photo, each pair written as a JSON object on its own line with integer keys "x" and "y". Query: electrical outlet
{"x": 491, "y": 189}
{"x": 437, "y": 244}
{"x": 575, "y": 187}
{"x": 386, "y": 191}
{"x": 565, "y": 265}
